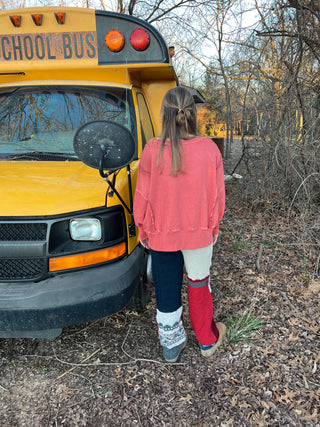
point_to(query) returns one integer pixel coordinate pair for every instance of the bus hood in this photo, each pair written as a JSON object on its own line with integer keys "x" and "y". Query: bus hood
{"x": 48, "y": 188}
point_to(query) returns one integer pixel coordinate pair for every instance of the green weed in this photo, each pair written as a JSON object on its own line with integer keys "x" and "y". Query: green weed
{"x": 10, "y": 363}
{"x": 238, "y": 245}
{"x": 227, "y": 229}
{"x": 243, "y": 327}
{"x": 269, "y": 244}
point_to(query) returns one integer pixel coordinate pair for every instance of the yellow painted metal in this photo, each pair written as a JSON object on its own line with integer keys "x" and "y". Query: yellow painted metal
{"x": 85, "y": 70}
{"x": 154, "y": 91}
{"x": 33, "y": 188}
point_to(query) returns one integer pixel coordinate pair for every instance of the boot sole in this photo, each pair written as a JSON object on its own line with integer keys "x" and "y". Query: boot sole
{"x": 177, "y": 357}
{"x": 222, "y": 333}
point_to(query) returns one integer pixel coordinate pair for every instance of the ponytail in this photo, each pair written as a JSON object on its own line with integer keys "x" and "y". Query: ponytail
{"x": 179, "y": 118}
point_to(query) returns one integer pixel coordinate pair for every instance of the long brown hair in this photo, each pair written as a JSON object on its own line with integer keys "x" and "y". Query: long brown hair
{"x": 179, "y": 119}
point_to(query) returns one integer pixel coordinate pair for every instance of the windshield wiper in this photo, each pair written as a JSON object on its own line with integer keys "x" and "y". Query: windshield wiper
{"x": 40, "y": 155}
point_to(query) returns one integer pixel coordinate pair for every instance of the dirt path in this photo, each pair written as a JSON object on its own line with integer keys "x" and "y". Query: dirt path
{"x": 273, "y": 380}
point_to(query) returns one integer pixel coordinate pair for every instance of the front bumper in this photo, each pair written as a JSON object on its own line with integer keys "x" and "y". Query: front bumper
{"x": 41, "y": 310}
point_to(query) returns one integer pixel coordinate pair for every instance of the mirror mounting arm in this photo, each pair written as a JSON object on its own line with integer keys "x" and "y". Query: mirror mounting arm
{"x": 132, "y": 225}
{"x": 105, "y": 175}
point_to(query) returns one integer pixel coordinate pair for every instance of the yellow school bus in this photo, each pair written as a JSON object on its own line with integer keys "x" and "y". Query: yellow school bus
{"x": 80, "y": 95}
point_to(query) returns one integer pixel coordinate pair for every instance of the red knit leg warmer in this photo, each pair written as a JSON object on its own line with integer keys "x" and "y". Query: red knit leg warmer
{"x": 201, "y": 311}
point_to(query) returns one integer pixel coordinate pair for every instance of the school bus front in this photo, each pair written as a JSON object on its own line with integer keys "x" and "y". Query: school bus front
{"x": 69, "y": 250}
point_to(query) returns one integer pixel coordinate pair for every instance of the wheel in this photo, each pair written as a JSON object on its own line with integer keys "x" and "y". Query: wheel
{"x": 141, "y": 295}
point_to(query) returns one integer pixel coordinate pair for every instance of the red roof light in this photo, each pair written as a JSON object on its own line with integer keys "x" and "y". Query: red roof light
{"x": 140, "y": 39}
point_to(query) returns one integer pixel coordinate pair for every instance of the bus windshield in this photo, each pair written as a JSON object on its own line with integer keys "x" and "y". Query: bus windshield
{"x": 39, "y": 123}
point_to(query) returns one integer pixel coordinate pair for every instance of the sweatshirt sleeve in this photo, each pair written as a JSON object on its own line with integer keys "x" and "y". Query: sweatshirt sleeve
{"x": 141, "y": 196}
{"x": 221, "y": 195}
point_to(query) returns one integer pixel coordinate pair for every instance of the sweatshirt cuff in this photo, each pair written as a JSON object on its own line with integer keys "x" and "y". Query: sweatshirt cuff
{"x": 142, "y": 235}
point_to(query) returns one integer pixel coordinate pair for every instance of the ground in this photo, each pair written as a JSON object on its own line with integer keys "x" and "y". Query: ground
{"x": 110, "y": 372}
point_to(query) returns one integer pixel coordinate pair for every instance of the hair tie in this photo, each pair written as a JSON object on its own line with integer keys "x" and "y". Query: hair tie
{"x": 179, "y": 111}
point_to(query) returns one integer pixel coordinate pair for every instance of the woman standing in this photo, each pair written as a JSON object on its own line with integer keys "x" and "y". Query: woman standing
{"x": 179, "y": 202}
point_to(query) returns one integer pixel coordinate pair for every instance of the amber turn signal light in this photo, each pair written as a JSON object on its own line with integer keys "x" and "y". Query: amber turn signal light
{"x": 114, "y": 40}
{"x": 85, "y": 259}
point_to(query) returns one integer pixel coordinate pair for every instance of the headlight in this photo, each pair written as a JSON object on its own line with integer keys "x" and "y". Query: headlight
{"x": 85, "y": 229}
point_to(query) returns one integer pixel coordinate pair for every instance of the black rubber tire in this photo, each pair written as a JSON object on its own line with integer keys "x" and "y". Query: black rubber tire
{"x": 141, "y": 296}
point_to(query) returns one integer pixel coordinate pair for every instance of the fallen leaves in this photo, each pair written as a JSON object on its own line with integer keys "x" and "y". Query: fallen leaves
{"x": 287, "y": 396}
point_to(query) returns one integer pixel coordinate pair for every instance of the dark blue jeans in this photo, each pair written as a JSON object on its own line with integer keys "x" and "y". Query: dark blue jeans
{"x": 167, "y": 272}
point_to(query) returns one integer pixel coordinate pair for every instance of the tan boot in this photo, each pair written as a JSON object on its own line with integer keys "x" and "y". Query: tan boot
{"x": 210, "y": 350}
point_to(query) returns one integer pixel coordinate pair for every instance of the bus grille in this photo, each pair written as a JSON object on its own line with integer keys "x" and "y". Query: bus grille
{"x": 28, "y": 267}
{"x": 10, "y": 232}
{"x": 21, "y": 269}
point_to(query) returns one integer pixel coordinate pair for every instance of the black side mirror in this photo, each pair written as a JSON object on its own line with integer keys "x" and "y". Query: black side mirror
{"x": 104, "y": 145}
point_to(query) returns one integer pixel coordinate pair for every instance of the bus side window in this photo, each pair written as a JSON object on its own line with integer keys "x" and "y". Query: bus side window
{"x": 147, "y": 130}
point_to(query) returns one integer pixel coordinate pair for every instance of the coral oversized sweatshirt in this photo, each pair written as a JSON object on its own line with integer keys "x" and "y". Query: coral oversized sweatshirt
{"x": 183, "y": 211}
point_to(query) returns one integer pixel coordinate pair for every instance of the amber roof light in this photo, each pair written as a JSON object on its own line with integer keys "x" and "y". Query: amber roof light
{"x": 60, "y": 17}
{"x": 114, "y": 40}
{"x": 16, "y": 20}
{"x": 37, "y": 19}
